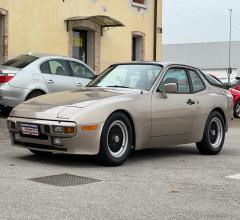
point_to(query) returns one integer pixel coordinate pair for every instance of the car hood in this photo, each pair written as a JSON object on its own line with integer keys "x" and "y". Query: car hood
{"x": 53, "y": 106}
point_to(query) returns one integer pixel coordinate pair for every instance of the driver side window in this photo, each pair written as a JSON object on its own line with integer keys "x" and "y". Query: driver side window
{"x": 178, "y": 76}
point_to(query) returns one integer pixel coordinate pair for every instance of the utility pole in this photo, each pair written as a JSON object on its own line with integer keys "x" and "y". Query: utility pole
{"x": 229, "y": 45}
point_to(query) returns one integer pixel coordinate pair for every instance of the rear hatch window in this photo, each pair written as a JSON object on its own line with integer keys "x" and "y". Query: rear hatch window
{"x": 213, "y": 81}
{"x": 20, "y": 61}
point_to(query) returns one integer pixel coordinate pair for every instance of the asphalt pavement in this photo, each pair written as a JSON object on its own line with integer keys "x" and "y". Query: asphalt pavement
{"x": 168, "y": 183}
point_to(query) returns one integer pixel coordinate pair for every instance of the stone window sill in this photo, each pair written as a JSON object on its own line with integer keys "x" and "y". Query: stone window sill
{"x": 144, "y": 6}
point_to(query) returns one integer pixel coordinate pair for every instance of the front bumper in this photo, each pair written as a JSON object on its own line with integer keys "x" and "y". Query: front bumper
{"x": 81, "y": 142}
{"x": 11, "y": 96}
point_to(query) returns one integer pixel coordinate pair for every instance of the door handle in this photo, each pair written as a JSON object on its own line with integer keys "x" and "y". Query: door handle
{"x": 190, "y": 102}
{"x": 79, "y": 84}
{"x": 50, "y": 81}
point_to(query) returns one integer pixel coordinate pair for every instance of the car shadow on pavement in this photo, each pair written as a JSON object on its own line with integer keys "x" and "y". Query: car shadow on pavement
{"x": 136, "y": 157}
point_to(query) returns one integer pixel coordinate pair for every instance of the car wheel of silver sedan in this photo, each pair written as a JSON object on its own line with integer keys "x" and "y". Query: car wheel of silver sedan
{"x": 116, "y": 140}
{"x": 214, "y": 135}
{"x": 237, "y": 110}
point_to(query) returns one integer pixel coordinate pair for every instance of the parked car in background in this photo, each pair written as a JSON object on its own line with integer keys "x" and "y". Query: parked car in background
{"x": 31, "y": 75}
{"x": 129, "y": 106}
{"x": 236, "y": 83}
{"x": 235, "y": 93}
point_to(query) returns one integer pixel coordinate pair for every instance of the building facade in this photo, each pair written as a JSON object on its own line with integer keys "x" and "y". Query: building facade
{"x": 211, "y": 57}
{"x": 99, "y": 32}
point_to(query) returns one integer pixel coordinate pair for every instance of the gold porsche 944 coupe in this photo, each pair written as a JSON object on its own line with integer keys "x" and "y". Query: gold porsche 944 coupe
{"x": 129, "y": 106}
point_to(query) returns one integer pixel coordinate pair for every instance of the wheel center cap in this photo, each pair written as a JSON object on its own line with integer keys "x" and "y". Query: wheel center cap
{"x": 213, "y": 132}
{"x": 116, "y": 139}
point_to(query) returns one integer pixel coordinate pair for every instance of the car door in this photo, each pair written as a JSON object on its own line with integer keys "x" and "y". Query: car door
{"x": 173, "y": 114}
{"x": 57, "y": 75}
{"x": 82, "y": 75}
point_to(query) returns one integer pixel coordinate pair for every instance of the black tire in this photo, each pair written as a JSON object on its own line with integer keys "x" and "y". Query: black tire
{"x": 34, "y": 94}
{"x": 116, "y": 140}
{"x": 41, "y": 153}
{"x": 5, "y": 110}
{"x": 237, "y": 109}
{"x": 213, "y": 136}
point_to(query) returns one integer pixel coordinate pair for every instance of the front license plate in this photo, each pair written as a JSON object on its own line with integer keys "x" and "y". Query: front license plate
{"x": 30, "y": 129}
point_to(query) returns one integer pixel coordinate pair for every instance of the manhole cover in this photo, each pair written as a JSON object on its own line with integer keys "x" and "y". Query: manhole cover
{"x": 64, "y": 180}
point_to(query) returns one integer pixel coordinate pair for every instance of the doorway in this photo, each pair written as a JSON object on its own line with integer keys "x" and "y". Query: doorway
{"x": 79, "y": 45}
{"x": 138, "y": 50}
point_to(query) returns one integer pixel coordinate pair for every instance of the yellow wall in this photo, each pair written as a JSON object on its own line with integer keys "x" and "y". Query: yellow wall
{"x": 38, "y": 26}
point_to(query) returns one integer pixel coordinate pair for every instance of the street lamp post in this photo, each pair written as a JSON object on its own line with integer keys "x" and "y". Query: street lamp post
{"x": 229, "y": 45}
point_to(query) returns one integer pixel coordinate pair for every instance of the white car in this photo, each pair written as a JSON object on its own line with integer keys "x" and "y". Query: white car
{"x": 31, "y": 75}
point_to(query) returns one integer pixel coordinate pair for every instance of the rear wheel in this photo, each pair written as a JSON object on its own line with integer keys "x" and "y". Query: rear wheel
{"x": 237, "y": 110}
{"x": 116, "y": 140}
{"x": 34, "y": 94}
{"x": 214, "y": 135}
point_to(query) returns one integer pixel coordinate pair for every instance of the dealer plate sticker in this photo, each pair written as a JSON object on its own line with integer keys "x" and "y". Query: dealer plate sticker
{"x": 30, "y": 129}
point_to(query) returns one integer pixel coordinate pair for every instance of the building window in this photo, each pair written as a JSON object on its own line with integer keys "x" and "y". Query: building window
{"x": 138, "y": 46}
{"x": 139, "y": 3}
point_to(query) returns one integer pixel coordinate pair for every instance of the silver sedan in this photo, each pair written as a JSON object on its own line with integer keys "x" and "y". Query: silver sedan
{"x": 31, "y": 75}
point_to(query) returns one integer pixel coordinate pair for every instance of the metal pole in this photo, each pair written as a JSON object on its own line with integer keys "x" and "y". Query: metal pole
{"x": 229, "y": 46}
{"x": 155, "y": 30}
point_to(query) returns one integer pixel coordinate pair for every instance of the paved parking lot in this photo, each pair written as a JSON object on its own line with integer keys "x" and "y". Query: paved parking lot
{"x": 167, "y": 183}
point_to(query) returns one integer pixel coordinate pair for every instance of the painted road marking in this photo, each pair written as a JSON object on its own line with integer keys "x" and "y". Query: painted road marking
{"x": 235, "y": 176}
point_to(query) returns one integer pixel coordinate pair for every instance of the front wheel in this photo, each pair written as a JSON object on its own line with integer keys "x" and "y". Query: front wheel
{"x": 116, "y": 140}
{"x": 213, "y": 136}
{"x": 41, "y": 153}
{"x": 237, "y": 110}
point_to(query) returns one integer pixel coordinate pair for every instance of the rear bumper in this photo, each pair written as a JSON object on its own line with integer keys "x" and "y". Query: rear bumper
{"x": 11, "y": 96}
{"x": 82, "y": 142}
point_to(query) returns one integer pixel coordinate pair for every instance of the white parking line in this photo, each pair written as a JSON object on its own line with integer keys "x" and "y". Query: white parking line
{"x": 235, "y": 176}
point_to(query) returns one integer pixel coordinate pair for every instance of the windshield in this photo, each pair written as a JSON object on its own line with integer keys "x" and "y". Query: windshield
{"x": 20, "y": 61}
{"x": 236, "y": 82}
{"x": 134, "y": 76}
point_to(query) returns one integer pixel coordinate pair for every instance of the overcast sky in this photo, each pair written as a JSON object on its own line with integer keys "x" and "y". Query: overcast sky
{"x": 191, "y": 21}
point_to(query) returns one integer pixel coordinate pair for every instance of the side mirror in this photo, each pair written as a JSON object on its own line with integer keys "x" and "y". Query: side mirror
{"x": 170, "y": 88}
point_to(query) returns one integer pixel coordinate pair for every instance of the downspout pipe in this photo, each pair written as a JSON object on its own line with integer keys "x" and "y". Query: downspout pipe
{"x": 155, "y": 30}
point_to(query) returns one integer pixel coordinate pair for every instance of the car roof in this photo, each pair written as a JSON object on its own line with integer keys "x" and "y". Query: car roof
{"x": 165, "y": 64}
{"x": 41, "y": 55}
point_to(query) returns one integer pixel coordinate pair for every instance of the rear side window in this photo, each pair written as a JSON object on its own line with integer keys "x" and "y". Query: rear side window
{"x": 197, "y": 82}
{"x": 20, "y": 61}
{"x": 56, "y": 67}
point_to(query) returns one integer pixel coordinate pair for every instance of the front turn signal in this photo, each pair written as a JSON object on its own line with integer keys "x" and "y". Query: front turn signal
{"x": 89, "y": 128}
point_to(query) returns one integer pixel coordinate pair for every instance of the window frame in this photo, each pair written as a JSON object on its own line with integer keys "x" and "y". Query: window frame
{"x": 190, "y": 79}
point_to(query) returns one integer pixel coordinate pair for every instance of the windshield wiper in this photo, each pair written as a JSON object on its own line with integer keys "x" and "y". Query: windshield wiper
{"x": 92, "y": 86}
{"x": 116, "y": 86}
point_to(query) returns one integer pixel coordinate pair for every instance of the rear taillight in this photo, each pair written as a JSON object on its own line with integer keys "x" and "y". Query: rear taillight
{"x": 6, "y": 77}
